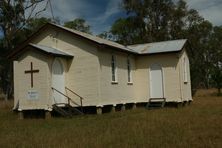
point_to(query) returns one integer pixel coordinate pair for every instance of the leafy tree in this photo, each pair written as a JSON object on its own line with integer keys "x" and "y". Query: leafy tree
{"x": 152, "y": 16}
{"x": 159, "y": 20}
{"x": 178, "y": 20}
{"x": 34, "y": 24}
{"x": 106, "y": 35}
{"x": 199, "y": 34}
{"x": 126, "y": 31}
{"x": 216, "y": 58}
{"x": 14, "y": 15}
{"x": 78, "y": 24}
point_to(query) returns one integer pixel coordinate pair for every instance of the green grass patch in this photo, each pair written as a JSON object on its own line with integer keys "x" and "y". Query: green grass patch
{"x": 196, "y": 125}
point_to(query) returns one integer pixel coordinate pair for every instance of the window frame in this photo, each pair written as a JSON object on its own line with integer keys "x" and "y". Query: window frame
{"x": 114, "y": 78}
{"x": 185, "y": 70}
{"x": 129, "y": 71}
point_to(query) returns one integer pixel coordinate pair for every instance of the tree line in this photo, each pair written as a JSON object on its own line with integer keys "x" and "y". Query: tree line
{"x": 146, "y": 21}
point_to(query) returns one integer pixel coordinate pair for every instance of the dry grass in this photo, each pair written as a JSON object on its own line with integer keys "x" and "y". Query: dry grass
{"x": 197, "y": 125}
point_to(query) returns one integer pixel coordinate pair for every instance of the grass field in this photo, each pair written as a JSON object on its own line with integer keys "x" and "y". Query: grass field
{"x": 198, "y": 125}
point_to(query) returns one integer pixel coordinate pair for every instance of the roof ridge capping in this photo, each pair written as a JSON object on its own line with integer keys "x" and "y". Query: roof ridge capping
{"x": 96, "y": 39}
{"x": 148, "y": 48}
{"x": 139, "y": 49}
{"x": 158, "y": 42}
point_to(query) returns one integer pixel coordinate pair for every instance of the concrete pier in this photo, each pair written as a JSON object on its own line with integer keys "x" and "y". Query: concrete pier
{"x": 134, "y": 106}
{"x": 99, "y": 110}
{"x": 123, "y": 107}
{"x": 48, "y": 115}
{"x": 113, "y": 109}
{"x": 21, "y": 115}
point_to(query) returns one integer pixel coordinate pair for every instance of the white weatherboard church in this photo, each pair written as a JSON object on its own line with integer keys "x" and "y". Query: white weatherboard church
{"x": 58, "y": 66}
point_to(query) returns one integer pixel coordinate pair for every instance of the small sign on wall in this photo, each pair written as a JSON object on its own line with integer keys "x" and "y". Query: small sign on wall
{"x": 33, "y": 95}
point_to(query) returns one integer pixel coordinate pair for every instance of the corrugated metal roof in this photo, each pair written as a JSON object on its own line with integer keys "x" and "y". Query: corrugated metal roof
{"x": 159, "y": 47}
{"x": 96, "y": 39}
{"x": 148, "y": 48}
{"x": 50, "y": 50}
{"x": 140, "y": 49}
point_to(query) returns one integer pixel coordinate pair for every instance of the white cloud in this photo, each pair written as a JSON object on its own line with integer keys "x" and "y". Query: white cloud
{"x": 65, "y": 10}
{"x": 209, "y": 9}
{"x": 68, "y": 10}
{"x": 99, "y": 22}
{"x": 111, "y": 9}
{"x": 100, "y": 18}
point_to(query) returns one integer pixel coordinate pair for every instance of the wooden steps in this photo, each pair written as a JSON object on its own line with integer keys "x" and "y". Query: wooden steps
{"x": 156, "y": 103}
{"x": 66, "y": 110}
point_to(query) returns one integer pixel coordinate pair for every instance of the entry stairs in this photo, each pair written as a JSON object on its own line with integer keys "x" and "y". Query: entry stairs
{"x": 66, "y": 109}
{"x": 156, "y": 103}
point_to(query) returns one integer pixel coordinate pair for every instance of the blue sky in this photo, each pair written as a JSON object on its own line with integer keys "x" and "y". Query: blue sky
{"x": 100, "y": 14}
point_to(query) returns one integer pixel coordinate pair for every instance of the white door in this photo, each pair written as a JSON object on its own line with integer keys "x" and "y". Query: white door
{"x": 58, "y": 81}
{"x": 156, "y": 81}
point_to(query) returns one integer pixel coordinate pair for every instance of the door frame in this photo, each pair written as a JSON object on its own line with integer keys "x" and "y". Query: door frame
{"x": 63, "y": 69}
{"x": 163, "y": 78}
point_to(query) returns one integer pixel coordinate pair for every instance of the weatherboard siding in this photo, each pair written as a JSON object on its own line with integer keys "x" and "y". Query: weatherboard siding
{"x": 82, "y": 71}
{"x": 88, "y": 73}
{"x": 170, "y": 67}
{"x": 40, "y": 81}
{"x": 185, "y": 87}
{"x": 16, "y": 83}
{"x": 120, "y": 92}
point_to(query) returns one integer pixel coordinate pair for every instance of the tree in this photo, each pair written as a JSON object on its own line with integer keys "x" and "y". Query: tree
{"x": 106, "y": 35}
{"x": 216, "y": 58}
{"x": 152, "y": 16}
{"x": 150, "y": 21}
{"x": 178, "y": 20}
{"x": 34, "y": 24}
{"x": 78, "y": 24}
{"x": 14, "y": 15}
{"x": 198, "y": 33}
{"x": 126, "y": 31}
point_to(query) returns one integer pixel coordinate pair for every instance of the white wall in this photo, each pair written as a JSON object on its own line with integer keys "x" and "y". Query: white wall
{"x": 120, "y": 92}
{"x": 41, "y": 81}
{"x": 89, "y": 73}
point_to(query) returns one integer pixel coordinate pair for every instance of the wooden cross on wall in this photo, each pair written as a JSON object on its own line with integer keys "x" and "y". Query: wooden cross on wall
{"x": 32, "y": 71}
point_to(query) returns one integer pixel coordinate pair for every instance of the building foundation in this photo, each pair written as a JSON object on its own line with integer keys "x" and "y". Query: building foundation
{"x": 21, "y": 115}
{"x": 134, "y": 106}
{"x": 48, "y": 115}
{"x": 99, "y": 110}
{"x": 113, "y": 109}
{"x": 123, "y": 107}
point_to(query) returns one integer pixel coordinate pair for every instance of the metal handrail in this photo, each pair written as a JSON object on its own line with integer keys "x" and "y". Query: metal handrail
{"x": 69, "y": 99}
{"x": 81, "y": 98}
{"x": 74, "y": 93}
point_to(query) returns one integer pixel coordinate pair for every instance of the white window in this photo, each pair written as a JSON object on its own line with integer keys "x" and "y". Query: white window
{"x": 114, "y": 69}
{"x": 185, "y": 75}
{"x": 129, "y": 71}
